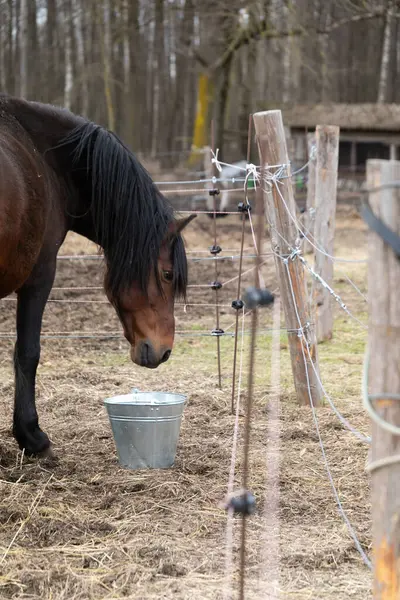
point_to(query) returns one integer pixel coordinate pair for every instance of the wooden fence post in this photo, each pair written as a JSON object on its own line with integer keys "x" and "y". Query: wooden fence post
{"x": 310, "y": 202}
{"x": 284, "y": 238}
{"x": 327, "y": 137}
{"x": 384, "y": 379}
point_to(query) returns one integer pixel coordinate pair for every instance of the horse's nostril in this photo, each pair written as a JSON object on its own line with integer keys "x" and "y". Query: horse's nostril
{"x": 166, "y": 356}
{"x": 145, "y": 353}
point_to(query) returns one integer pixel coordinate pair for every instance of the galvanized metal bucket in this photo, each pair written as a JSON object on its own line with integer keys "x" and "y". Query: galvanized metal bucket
{"x": 146, "y": 428}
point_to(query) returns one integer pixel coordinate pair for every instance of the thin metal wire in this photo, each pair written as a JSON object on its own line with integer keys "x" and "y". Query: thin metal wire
{"x": 247, "y": 431}
{"x": 209, "y": 180}
{"x": 335, "y": 492}
{"x": 244, "y": 273}
{"x": 233, "y": 250}
{"x": 216, "y": 271}
{"x": 231, "y": 257}
{"x": 231, "y": 479}
{"x": 106, "y": 302}
{"x": 199, "y": 191}
{"x": 239, "y": 286}
{"x": 120, "y": 336}
{"x": 210, "y": 212}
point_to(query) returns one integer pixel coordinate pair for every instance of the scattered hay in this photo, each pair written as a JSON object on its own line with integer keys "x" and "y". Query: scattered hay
{"x": 98, "y": 531}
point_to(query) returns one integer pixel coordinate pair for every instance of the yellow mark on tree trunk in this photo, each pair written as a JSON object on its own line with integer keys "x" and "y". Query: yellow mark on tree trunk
{"x": 200, "y": 132}
{"x": 386, "y": 580}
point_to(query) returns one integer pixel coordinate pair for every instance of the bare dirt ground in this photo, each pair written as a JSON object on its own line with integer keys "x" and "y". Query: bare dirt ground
{"x": 87, "y": 529}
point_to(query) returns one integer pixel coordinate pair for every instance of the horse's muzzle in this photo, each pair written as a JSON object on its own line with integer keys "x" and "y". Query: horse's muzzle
{"x": 145, "y": 355}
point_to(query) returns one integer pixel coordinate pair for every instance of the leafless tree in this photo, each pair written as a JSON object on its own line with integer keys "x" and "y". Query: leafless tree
{"x": 158, "y": 71}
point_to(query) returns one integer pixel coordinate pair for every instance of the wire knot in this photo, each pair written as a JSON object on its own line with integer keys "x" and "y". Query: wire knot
{"x": 295, "y": 252}
{"x": 301, "y": 330}
{"x": 215, "y": 161}
{"x": 251, "y": 171}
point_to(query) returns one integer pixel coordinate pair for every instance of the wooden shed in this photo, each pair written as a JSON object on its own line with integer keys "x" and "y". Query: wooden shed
{"x": 366, "y": 131}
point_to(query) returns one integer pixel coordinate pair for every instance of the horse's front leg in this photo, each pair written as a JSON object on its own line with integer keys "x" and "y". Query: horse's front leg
{"x": 32, "y": 298}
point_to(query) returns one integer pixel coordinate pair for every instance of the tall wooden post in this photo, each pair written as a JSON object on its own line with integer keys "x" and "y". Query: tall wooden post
{"x": 310, "y": 202}
{"x": 384, "y": 378}
{"x": 327, "y": 137}
{"x": 284, "y": 238}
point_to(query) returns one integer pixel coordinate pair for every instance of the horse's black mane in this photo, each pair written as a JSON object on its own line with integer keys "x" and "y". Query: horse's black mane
{"x": 130, "y": 215}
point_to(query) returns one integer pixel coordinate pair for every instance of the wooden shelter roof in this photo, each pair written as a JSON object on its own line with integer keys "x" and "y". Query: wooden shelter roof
{"x": 371, "y": 117}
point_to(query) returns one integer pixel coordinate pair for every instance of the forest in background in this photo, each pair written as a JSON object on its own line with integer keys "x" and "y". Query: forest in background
{"x": 158, "y": 71}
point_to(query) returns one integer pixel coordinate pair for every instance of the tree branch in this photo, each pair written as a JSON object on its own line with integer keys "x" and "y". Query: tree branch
{"x": 261, "y": 30}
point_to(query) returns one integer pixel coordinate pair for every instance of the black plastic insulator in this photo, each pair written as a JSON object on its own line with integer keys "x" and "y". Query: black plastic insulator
{"x": 217, "y": 332}
{"x": 215, "y": 249}
{"x": 216, "y": 285}
{"x": 237, "y": 304}
{"x": 244, "y": 207}
{"x": 242, "y": 504}
{"x": 254, "y": 297}
{"x": 302, "y": 210}
{"x": 214, "y": 192}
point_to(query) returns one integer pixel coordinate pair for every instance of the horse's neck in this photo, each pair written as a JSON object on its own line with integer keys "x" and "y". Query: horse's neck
{"x": 47, "y": 126}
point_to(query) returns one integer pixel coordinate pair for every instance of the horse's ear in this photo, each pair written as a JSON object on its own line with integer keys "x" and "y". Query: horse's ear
{"x": 178, "y": 225}
{"x": 181, "y": 223}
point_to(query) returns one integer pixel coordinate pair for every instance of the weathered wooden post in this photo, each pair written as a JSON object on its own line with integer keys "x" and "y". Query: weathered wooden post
{"x": 284, "y": 239}
{"x": 310, "y": 202}
{"x": 327, "y": 138}
{"x": 384, "y": 380}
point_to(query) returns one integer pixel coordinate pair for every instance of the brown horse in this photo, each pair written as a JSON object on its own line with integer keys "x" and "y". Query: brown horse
{"x": 59, "y": 173}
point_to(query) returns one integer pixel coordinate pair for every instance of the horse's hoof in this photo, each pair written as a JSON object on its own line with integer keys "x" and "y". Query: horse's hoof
{"x": 48, "y": 456}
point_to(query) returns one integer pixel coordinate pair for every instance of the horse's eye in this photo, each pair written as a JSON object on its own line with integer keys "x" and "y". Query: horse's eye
{"x": 168, "y": 276}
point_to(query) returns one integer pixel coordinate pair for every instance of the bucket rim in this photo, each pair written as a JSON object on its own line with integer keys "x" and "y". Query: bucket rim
{"x": 127, "y": 399}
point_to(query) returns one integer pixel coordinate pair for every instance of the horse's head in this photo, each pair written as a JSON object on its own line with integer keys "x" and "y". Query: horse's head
{"x": 148, "y": 316}
{"x": 134, "y": 224}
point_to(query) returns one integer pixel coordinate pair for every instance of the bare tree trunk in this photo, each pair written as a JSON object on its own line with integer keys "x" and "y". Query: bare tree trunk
{"x": 32, "y": 58}
{"x": 161, "y": 79}
{"x": 10, "y": 77}
{"x": 325, "y": 56}
{"x": 103, "y": 15}
{"x": 118, "y": 70}
{"x": 183, "y": 76}
{"x": 23, "y": 47}
{"x": 397, "y": 64}
{"x": 81, "y": 79}
{"x": 386, "y": 51}
{"x": 133, "y": 74}
{"x": 286, "y": 54}
{"x": 221, "y": 99}
{"x": 66, "y": 18}
{"x": 51, "y": 28}
{"x": 3, "y": 49}
{"x": 148, "y": 117}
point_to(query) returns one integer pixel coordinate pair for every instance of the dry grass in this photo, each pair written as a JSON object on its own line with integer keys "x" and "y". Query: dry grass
{"x": 84, "y": 528}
